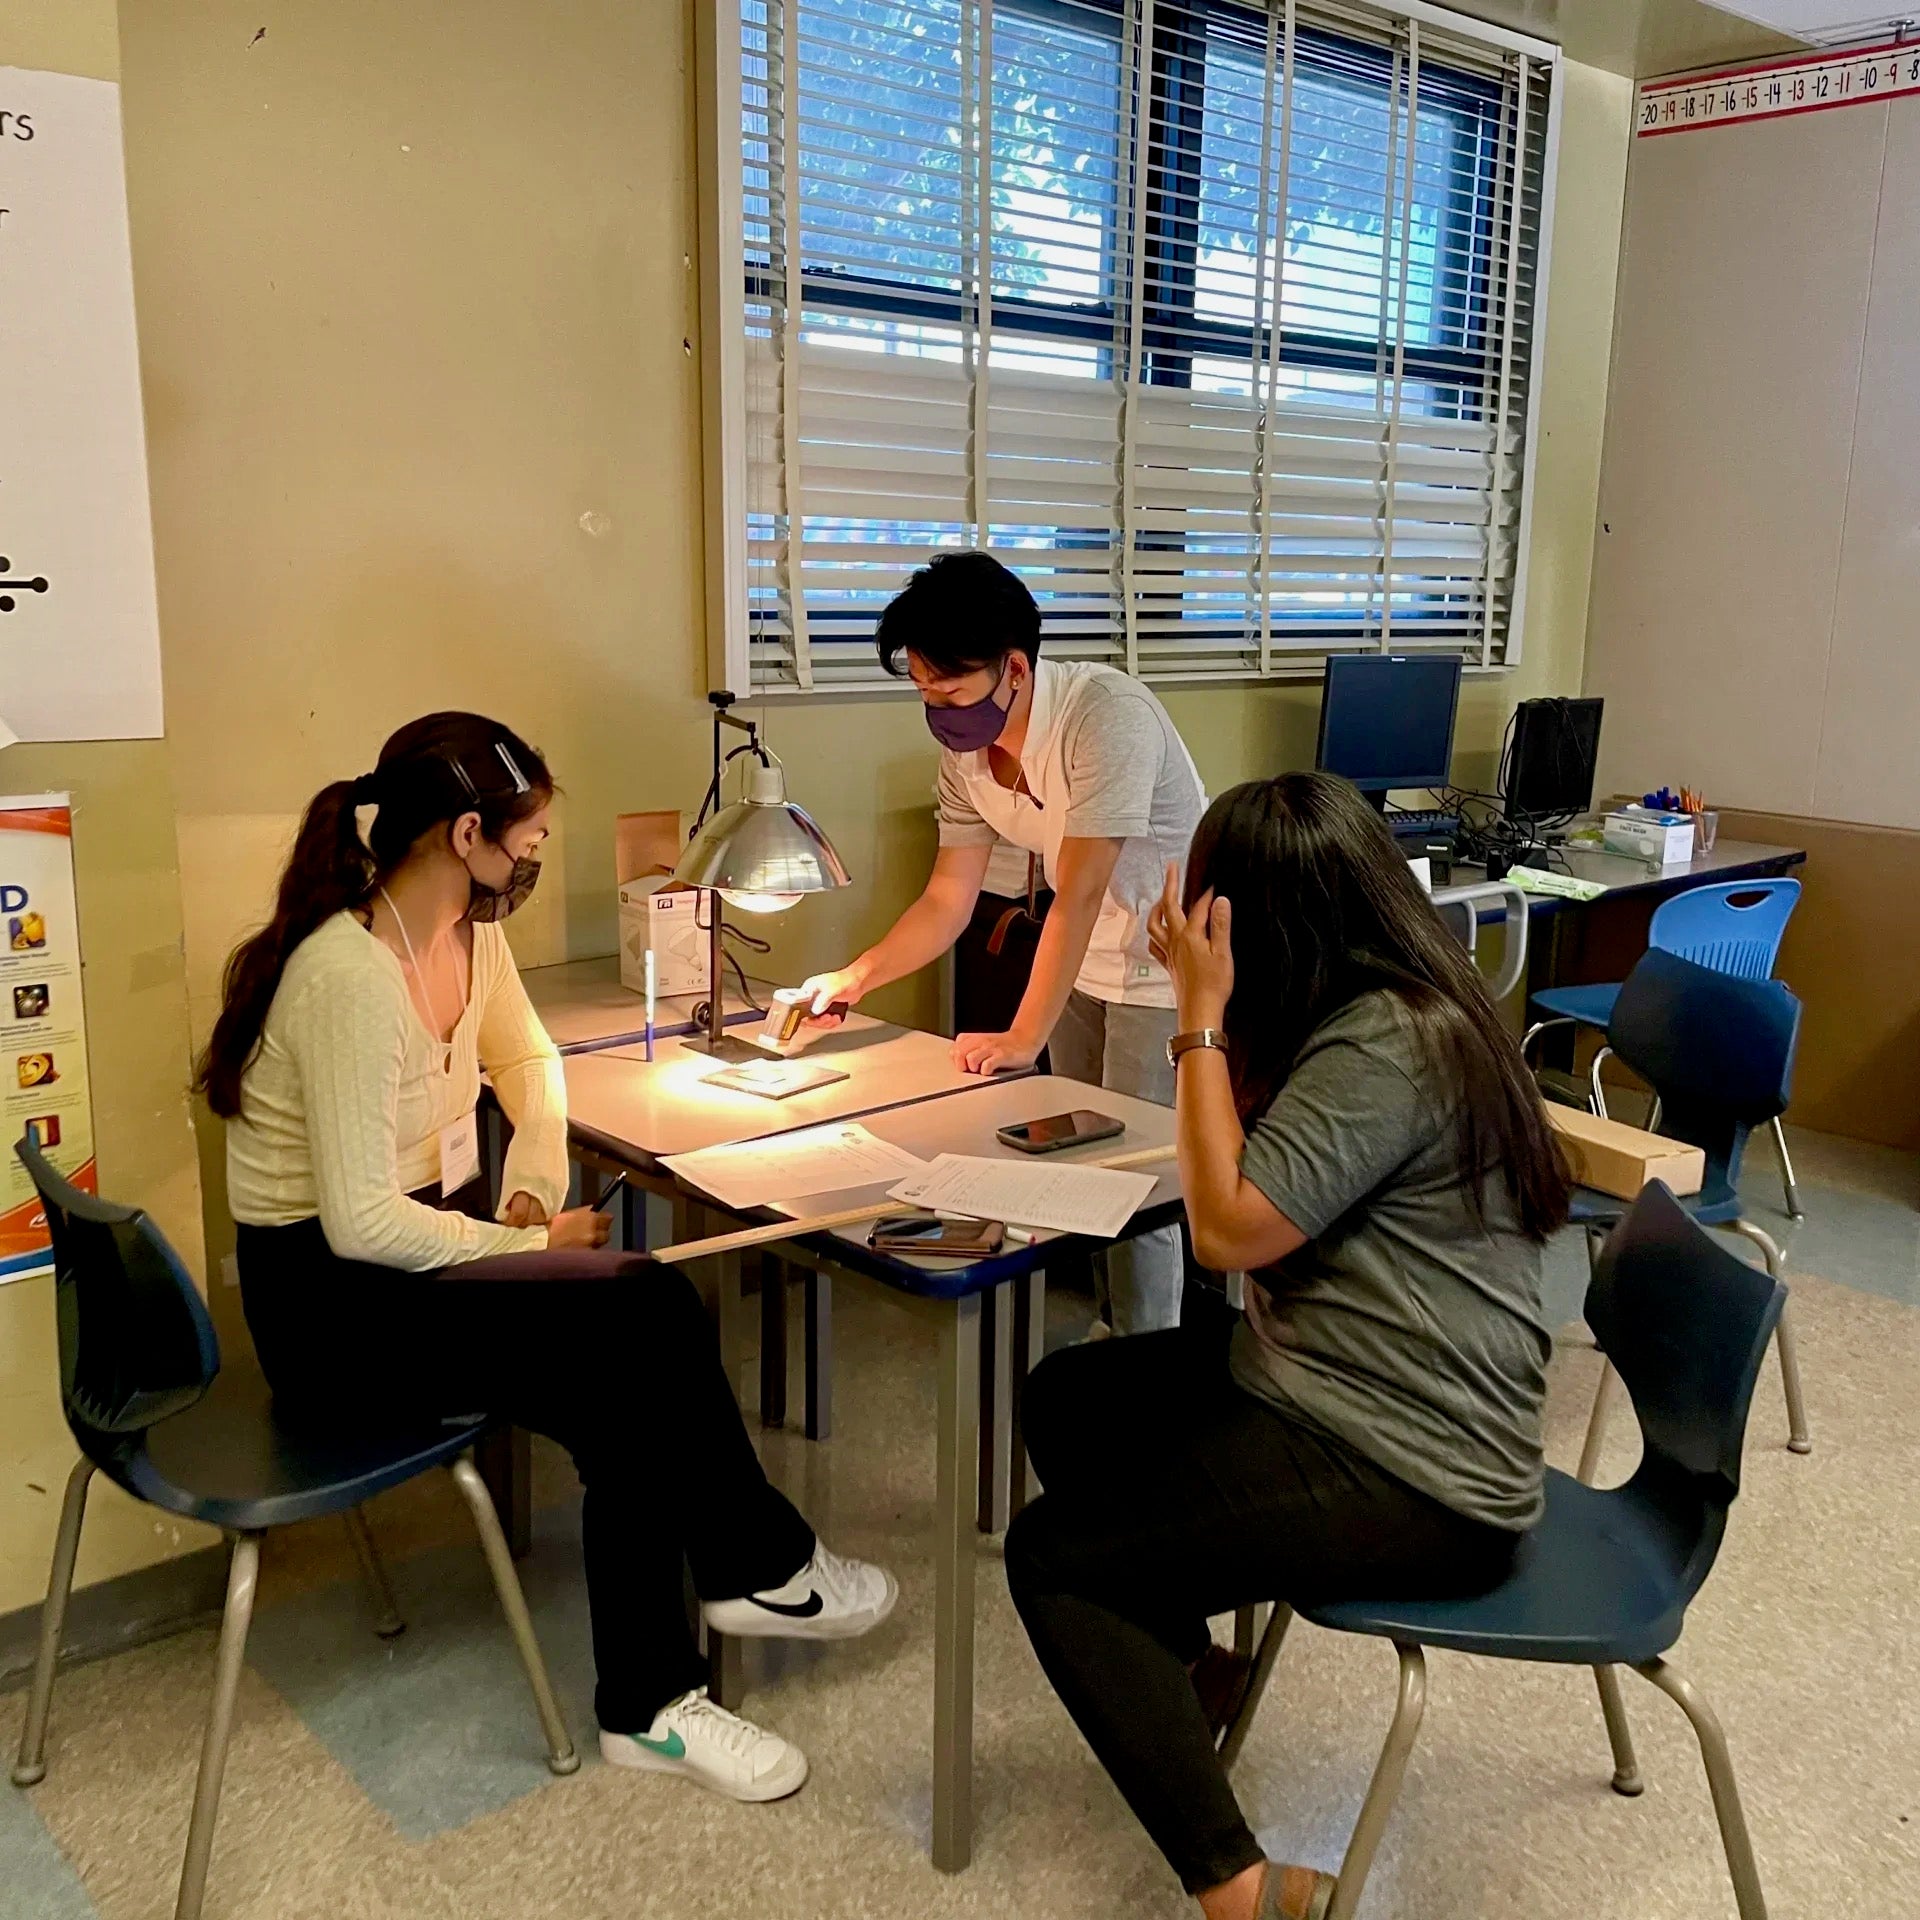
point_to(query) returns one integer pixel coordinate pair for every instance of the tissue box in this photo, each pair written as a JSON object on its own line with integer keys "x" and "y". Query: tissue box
{"x": 1661, "y": 839}
{"x": 656, "y": 913}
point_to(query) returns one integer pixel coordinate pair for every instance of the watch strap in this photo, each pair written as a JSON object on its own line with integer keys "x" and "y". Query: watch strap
{"x": 1201, "y": 1037}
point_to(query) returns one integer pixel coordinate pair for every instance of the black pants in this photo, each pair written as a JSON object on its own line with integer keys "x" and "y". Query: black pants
{"x": 988, "y": 986}
{"x": 1171, "y": 1495}
{"x": 610, "y": 1355}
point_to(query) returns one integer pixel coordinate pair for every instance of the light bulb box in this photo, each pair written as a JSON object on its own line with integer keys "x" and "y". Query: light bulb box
{"x": 656, "y": 912}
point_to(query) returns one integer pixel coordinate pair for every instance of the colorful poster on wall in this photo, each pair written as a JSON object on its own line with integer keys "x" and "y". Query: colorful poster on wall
{"x": 79, "y": 632}
{"x": 43, "y": 1030}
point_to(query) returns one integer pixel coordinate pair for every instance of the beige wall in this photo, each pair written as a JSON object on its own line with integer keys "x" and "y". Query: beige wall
{"x": 1752, "y": 625}
{"x": 1753, "y": 602}
{"x": 127, "y": 879}
{"x": 418, "y": 299}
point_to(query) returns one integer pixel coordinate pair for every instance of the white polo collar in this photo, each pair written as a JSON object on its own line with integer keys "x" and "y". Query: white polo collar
{"x": 1040, "y": 720}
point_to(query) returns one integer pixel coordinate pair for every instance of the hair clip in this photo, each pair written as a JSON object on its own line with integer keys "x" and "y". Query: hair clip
{"x": 519, "y": 779}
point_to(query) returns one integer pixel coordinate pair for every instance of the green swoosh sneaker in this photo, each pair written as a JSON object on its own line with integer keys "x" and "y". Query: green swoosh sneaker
{"x": 705, "y": 1743}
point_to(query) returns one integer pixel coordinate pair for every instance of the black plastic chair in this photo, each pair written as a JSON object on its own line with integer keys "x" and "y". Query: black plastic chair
{"x": 152, "y": 1409}
{"x": 1718, "y": 1053}
{"x": 1605, "y": 1579}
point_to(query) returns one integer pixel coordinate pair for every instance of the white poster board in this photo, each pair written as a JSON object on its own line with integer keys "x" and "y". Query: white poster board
{"x": 43, "y": 1025}
{"x": 79, "y": 634}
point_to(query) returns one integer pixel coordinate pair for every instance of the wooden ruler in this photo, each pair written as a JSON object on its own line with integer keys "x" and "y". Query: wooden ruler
{"x": 854, "y": 1216}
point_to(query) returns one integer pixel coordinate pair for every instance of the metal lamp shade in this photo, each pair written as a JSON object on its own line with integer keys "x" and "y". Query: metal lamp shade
{"x": 764, "y": 847}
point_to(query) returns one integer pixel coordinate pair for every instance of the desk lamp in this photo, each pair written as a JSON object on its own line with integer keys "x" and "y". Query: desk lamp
{"x": 760, "y": 855}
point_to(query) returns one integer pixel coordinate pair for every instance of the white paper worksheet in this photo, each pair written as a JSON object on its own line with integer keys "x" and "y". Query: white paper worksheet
{"x": 827, "y": 1159}
{"x": 1097, "y": 1201}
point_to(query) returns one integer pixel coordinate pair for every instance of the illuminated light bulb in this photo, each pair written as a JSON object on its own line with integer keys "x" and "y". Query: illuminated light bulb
{"x": 759, "y": 902}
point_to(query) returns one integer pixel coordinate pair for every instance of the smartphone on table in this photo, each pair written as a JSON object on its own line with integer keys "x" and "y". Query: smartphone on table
{"x": 1061, "y": 1130}
{"x": 928, "y": 1233}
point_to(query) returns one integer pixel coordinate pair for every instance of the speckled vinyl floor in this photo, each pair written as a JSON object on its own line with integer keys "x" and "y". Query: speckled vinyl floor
{"x": 403, "y": 1782}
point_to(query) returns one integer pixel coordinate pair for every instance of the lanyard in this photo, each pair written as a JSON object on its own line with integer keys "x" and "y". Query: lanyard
{"x": 433, "y": 1012}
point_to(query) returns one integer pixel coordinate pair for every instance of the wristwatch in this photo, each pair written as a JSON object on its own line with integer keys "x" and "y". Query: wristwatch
{"x": 1188, "y": 1042}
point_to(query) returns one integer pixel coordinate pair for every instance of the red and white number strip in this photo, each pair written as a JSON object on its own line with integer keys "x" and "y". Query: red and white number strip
{"x": 1841, "y": 79}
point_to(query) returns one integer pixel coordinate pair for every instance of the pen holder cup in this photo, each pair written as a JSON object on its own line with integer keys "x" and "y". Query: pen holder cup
{"x": 1706, "y": 830}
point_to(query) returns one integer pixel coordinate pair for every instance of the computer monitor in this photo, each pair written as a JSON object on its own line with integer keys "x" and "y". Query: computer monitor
{"x": 1549, "y": 770}
{"x": 1386, "y": 720}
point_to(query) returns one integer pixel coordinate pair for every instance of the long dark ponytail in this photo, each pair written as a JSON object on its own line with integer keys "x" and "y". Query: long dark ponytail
{"x": 429, "y": 773}
{"x": 1325, "y": 908}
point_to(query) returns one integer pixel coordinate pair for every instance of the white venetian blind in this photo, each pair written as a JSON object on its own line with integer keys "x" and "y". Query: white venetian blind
{"x": 1215, "y": 322}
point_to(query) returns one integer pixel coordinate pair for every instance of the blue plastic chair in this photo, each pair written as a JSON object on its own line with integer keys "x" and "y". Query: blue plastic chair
{"x": 1734, "y": 928}
{"x": 151, "y": 1407}
{"x": 1718, "y": 1053}
{"x": 1605, "y": 1579}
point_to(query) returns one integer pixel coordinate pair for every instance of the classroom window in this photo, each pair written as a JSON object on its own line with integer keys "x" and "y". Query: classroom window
{"x": 1214, "y": 322}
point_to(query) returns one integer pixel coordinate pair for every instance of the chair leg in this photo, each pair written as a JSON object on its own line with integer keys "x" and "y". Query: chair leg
{"x": 1241, "y": 1724}
{"x": 243, "y": 1573}
{"x": 31, "y": 1767}
{"x": 1246, "y": 1631}
{"x": 1539, "y": 1027}
{"x": 1384, "y": 1789}
{"x": 1626, "y": 1769}
{"x": 387, "y": 1622}
{"x": 1799, "y": 1439}
{"x": 561, "y": 1756}
{"x": 1597, "y": 1424}
{"x": 1726, "y": 1792}
{"x": 1787, "y": 1180}
{"x": 1599, "y": 1093}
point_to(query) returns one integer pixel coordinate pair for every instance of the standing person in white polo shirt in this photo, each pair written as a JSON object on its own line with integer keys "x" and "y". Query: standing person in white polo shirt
{"x": 1080, "y": 765}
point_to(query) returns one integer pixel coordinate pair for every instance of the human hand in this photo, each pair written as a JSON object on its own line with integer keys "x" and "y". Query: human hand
{"x": 523, "y": 1210}
{"x": 824, "y": 990}
{"x": 1197, "y": 949}
{"x": 580, "y": 1227}
{"x": 995, "y": 1052}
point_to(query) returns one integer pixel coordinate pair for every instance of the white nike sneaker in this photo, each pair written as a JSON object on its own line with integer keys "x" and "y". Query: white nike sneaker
{"x": 703, "y": 1742}
{"x": 828, "y": 1599}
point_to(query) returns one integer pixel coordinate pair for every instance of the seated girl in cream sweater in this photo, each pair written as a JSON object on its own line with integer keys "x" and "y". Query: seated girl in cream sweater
{"x": 346, "y": 1062}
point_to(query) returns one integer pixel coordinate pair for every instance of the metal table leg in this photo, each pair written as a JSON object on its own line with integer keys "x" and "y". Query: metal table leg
{"x": 958, "y": 1448}
{"x": 819, "y": 1338}
{"x": 504, "y": 1456}
{"x": 998, "y": 1390}
{"x": 1029, "y": 1348}
{"x": 773, "y": 1341}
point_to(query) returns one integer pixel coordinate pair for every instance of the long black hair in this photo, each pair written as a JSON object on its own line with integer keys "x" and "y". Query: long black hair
{"x": 430, "y": 773}
{"x": 1325, "y": 908}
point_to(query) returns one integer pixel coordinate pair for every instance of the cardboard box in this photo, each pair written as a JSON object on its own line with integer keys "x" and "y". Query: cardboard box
{"x": 657, "y": 912}
{"x": 672, "y": 921}
{"x": 1661, "y": 839}
{"x": 1618, "y": 1159}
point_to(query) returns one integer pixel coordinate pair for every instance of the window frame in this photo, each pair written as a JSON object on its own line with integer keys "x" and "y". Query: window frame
{"x": 1169, "y": 335}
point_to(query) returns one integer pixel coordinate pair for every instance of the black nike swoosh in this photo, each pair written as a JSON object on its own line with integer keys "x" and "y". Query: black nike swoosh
{"x": 803, "y": 1610}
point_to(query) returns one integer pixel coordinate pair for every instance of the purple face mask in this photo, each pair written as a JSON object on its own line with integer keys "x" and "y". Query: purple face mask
{"x": 968, "y": 729}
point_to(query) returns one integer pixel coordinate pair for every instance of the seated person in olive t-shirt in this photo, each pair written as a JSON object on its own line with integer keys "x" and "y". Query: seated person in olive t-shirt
{"x": 1358, "y": 1134}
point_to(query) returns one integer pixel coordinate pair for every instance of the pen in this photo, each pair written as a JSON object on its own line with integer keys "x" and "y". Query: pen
{"x": 649, "y": 1006}
{"x": 614, "y": 1185}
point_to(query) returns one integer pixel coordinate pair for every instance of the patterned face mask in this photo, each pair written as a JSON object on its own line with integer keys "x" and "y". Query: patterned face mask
{"x": 495, "y": 903}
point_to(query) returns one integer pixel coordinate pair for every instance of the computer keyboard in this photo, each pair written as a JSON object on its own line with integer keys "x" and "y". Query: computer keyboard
{"x": 1431, "y": 823}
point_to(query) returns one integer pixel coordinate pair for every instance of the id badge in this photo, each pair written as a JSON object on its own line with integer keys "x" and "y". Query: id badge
{"x": 459, "y": 1154}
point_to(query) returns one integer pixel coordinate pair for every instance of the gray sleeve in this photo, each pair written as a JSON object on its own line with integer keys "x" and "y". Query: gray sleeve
{"x": 1113, "y": 764}
{"x": 959, "y": 819}
{"x": 1347, "y": 1117}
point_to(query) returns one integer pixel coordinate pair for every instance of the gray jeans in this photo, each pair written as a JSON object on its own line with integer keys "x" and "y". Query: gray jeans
{"x": 1139, "y": 1281}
